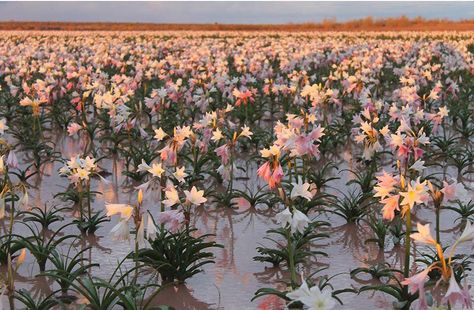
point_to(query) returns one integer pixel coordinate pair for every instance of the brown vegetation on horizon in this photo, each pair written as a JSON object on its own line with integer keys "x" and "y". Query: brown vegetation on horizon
{"x": 366, "y": 24}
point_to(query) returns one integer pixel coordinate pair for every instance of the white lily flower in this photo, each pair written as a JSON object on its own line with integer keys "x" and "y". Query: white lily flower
{"x": 418, "y": 165}
{"x": 156, "y": 170}
{"x": 124, "y": 210}
{"x": 301, "y": 189}
{"x": 299, "y": 222}
{"x": 194, "y": 196}
{"x": 150, "y": 228}
{"x": 160, "y": 134}
{"x": 467, "y": 234}
{"x": 172, "y": 196}
{"x": 180, "y": 174}
{"x": 140, "y": 236}
{"x": 284, "y": 217}
{"x": 246, "y": 132}
{"x": 120, "y": 232}
{"x": 313, "y": 298}
{"x": 143, "y": 167}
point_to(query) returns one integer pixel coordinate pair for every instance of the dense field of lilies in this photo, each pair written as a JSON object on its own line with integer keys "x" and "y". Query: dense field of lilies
{"x": 236, "y": 170}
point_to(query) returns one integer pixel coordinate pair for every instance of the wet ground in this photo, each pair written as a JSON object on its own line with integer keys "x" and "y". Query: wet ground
{"x": 231, "y": 282}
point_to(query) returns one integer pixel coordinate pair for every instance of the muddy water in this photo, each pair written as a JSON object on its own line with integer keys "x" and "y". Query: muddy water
{"x": 232, "y": 281}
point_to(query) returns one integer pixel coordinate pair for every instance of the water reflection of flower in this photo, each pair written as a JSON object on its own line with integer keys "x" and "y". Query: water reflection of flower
{"x": 271, "y": 302}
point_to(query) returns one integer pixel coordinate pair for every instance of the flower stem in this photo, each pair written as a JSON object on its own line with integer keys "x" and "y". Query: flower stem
{"x": 12, "y": 219}
{"x": 438, "y": 239}
{"x": 406, "y": 271}
{"x": 89, "y": 209}
{"x": 11, "y": 301}
{"x": 136, "y": 256}
{"x": 231, "y": 180}
{"x": 80, "y": 205}
{"x": 291, "y": 261}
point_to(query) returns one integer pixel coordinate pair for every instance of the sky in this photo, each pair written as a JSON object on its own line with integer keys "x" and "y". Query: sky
{"x": 242, "y": 12}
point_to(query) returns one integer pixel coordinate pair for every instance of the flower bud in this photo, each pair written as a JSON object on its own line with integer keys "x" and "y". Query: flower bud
{"x": 2, "y": 165}
{"x": 140, "y": 196}
{"x": 21, "y": 258}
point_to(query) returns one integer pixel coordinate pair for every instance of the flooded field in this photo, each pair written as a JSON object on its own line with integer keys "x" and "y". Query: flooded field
{"x": 303, "y": 171}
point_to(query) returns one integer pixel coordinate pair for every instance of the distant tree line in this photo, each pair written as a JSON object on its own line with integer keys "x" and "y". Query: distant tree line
{"x": 364, "y": 24}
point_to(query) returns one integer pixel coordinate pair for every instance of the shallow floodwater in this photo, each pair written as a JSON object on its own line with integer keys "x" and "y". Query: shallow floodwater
{"x": 231, "y": 282}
